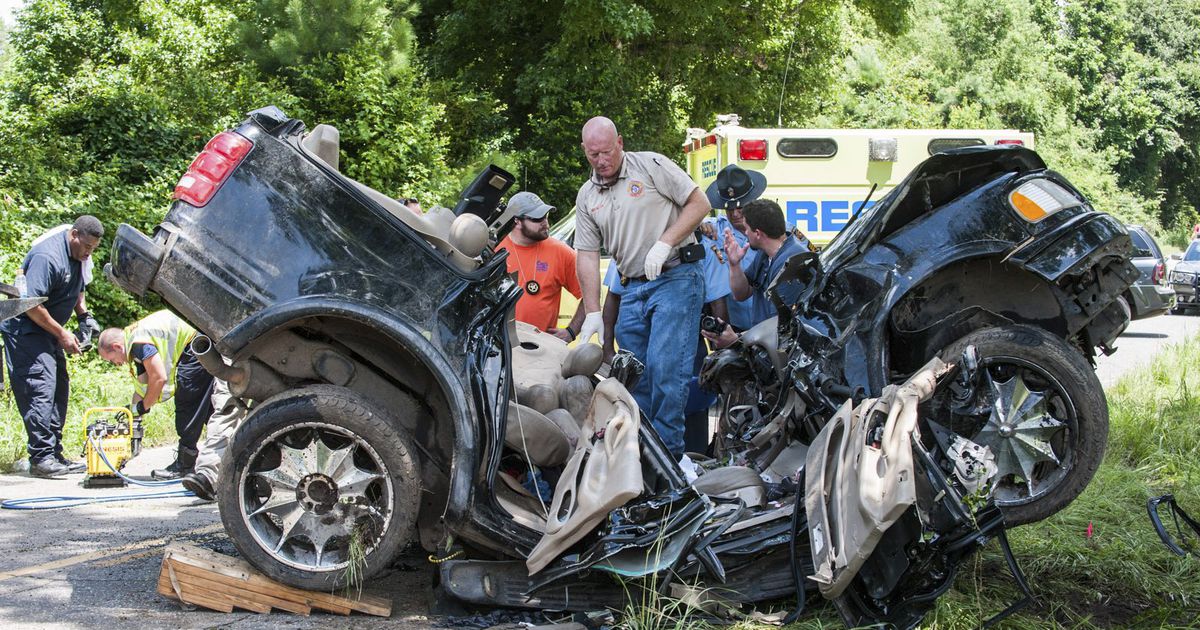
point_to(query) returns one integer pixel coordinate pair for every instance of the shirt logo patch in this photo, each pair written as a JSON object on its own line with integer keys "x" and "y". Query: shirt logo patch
{"x": 636, "y": 188}
{"x": 542, "y": 266}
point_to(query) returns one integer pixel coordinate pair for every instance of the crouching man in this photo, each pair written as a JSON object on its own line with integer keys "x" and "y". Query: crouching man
{"x": 158, "y": 351}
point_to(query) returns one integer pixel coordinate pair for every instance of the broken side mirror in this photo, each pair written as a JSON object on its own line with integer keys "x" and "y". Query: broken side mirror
{"x": 482, "y": 196}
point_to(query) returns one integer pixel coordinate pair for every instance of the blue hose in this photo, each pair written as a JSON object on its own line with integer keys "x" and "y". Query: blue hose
{"x": 57, "y": 503}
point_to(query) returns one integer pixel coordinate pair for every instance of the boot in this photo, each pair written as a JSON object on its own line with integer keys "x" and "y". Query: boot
{"x": 185, "y": 461}
{"x": 199, "y": 486}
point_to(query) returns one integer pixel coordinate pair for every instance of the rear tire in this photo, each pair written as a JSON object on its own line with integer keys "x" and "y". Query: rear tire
{"x": 320, "y": 489}
{"x": 1051, "y": 371}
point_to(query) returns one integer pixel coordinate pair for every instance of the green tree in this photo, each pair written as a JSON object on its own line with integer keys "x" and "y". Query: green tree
{"x": 654, "y": 67}
{"x": 104, "y": 105}
{"x": 998, "y": 64}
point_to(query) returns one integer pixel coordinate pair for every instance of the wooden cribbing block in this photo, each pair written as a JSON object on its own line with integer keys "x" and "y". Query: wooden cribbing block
{"x": 205, "y": 578}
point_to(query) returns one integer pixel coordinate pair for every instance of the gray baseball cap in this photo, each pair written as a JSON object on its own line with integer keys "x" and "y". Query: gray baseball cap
{"x": 527, "y": 204}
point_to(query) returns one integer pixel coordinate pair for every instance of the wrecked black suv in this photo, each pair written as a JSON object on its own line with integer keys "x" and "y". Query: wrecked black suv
{"x": 866, "y": 438}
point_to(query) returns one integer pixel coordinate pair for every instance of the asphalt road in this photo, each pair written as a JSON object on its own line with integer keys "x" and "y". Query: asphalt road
{"x": 96, "y": 566}
{"x": 1141, "y": 341}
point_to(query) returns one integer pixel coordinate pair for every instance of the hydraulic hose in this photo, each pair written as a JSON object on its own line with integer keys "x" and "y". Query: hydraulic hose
{"x": 57, "y": 503}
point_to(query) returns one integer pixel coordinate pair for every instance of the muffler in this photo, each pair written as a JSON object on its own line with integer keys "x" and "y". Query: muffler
{"x": 246, "y": 379}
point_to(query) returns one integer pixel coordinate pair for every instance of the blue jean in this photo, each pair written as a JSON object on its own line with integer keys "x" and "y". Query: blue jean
{"x": 658, "y": 322}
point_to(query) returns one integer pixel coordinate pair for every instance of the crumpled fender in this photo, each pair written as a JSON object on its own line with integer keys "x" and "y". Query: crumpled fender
{"x": 856, "y": 490}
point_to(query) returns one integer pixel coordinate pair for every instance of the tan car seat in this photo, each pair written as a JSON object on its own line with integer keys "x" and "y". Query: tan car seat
{"x": 603, "y": 473}
{"x": 854, "y": 491}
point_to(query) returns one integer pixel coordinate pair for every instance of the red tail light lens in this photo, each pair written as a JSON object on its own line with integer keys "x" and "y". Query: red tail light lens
{"x": 1019, "y": 143}
{"x": 752, "y": 149}
{"x": 209, "y": 170}
{"x": 1157, "y": 275}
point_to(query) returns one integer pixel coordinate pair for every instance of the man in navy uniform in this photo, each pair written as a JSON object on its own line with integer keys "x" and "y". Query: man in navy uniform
{"x": 36, "y": 342}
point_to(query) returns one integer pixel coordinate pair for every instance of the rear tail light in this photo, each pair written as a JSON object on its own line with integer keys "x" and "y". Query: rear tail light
{"x": 1156, "y": 276}
{"x": 212, "y": 167}
{"x": 752, "y": 149}
{"x": 1037, "y": 199}
{"x": 1019, "y": 143}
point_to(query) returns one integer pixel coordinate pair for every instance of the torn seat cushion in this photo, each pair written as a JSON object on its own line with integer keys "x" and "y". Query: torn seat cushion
{"x": 733, "y": 482}
{"x": 540, "y": 440}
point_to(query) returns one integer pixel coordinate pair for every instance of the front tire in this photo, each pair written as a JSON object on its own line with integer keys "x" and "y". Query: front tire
{"x": 1048, "y": 420}
{"x": 320, "y": 489}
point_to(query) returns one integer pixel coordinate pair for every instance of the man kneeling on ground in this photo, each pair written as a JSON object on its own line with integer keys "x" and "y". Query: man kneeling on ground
{"x": 157, "y": 350}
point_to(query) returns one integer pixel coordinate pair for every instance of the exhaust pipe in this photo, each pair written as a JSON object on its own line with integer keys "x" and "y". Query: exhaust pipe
{"x": 248, "y": 380}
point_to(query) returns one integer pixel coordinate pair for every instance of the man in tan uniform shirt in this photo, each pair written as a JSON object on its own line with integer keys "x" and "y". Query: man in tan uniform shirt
{"x": 641, "y": 207}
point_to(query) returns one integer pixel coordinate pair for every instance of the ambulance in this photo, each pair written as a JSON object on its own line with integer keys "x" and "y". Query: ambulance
{"x": 821, "y": 177}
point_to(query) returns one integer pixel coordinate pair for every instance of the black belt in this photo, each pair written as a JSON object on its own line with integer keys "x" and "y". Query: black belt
{"x": 667, "y": 266}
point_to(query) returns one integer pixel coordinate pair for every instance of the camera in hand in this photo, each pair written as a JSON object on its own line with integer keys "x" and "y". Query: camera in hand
{"x": 712, "y": 324}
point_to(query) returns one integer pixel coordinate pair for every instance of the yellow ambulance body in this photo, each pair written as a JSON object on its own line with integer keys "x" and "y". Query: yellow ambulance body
{"x": 820, "y": 177}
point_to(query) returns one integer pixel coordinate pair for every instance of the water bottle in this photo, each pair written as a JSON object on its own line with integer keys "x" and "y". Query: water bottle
{"x": 22, "y": 286}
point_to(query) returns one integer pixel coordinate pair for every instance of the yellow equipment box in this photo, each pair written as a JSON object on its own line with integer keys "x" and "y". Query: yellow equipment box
{"x": 118, "y": 436}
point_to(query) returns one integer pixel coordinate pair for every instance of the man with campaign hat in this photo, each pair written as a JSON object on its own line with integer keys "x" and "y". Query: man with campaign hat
{"x": 733, "y": 188}
{"x": 544, "y": 266}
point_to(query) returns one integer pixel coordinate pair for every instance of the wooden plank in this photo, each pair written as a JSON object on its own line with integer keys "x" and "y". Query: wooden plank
{"x": 242, "y": 576}
{"x": 205, "y": 559}
{"x": 201, "y": 594}
{"x": 192, "y": 598}
{"x": 236, "y": 591}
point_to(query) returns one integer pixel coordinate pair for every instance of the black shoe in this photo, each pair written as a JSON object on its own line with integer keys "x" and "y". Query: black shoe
{"x": 72, "y": 467}
{"x": 170, "y": 472}
{"x": 48, "y": 468}
{"x": 199, "y": 486}
{"x": 185, "y": 462}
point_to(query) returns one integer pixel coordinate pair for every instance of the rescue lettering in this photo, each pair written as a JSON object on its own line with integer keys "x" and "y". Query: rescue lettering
{"x": 708, "y": 168}
{"x": 830, "y": 215}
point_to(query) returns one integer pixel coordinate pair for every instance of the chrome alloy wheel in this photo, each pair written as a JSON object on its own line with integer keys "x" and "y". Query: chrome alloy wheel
{"x": 1028, "y": 428}
{"x": 314, "y": 495}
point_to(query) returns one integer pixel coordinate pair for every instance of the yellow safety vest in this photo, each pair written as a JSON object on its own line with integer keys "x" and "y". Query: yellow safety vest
{"x": 170, "y": 335}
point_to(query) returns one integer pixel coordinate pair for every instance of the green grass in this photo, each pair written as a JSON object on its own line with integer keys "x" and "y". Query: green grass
{"x": 94, "y": 383}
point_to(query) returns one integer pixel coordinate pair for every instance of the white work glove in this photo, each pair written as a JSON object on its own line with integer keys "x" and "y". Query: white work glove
{"x": 655, "y": 259}
{"x": 593, "y": 324}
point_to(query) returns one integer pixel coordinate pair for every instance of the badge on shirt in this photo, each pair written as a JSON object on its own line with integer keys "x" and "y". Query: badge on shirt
{"x": 532, "y": 287}
{"x": 636, "y": 188}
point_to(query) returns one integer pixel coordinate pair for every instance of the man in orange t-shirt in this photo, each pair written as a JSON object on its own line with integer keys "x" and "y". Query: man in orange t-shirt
{"x": 544, "y": 266}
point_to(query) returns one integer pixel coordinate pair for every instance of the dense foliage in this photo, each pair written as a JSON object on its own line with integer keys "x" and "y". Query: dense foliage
{"x": 104, "y": 102}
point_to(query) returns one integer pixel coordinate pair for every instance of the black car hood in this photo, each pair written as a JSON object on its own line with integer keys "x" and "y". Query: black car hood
{"x": 935, "y": 182}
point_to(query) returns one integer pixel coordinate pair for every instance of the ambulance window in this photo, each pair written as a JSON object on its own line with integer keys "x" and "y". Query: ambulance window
{"x": 807, "y": 147}
{"x": 938, "y": 145}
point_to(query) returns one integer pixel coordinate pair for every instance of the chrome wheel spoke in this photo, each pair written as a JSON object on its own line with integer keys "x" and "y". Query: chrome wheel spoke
{"x": 1019, "y": 430}
{"x": 332, "y": 462}
{"x": 354, "y": 482}
{"x": 294, "y": 464}
{"x": 289, "y": 520}
{"x": 277, "y": 500}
